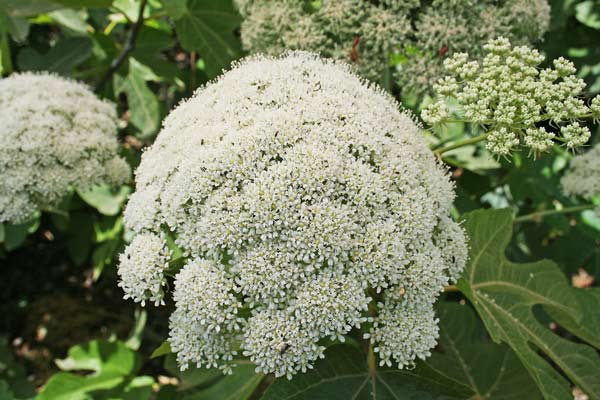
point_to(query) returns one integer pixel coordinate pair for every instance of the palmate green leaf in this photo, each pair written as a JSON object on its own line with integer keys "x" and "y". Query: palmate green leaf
{"x": 143, "y": 105}
{"x": 491, "y": 371}
{"x": 208, "y": 27}
{"x": 343, "y": 374}
{"x": 504, "y": 294}
{"x": 62, "y": 58}
{"x": 468, "y": 366}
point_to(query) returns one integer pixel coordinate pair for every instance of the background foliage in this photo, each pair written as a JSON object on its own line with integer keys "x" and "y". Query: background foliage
{"x": 515, "y": 329}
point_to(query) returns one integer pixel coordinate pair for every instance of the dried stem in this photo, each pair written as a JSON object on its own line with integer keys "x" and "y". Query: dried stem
{"x": 129, "y": 47}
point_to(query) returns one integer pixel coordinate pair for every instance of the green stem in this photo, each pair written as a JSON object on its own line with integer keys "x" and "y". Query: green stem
{"x": 6, "y": 66}
{"x": 540, "y": 214}
{"x": 461, "y": 143}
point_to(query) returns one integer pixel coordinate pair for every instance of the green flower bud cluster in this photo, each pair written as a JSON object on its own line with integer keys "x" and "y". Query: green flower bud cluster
{"x": 510, "y": 96}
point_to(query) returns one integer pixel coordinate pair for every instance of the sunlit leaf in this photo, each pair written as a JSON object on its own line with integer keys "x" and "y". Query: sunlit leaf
{"x": 103, "y": 198}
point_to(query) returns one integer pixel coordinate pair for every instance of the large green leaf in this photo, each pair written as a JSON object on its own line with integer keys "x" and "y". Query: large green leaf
{"x": 208, "y": 27}
{"x": 343, "y": 374}
{"x": 62, "y": 58}
{"x": 469, "y": 366}
{"x": 491, "y": 371}
{"x": 505, "y": 294}
{"x": 143, "y": 105}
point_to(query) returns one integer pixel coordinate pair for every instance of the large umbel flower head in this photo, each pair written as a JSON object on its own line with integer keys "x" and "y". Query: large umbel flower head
{"x": 300, "y": 196}
{"x": 55, "y": 135}
{"x": 356, "y": 31}
{"x": 369, "y": 34}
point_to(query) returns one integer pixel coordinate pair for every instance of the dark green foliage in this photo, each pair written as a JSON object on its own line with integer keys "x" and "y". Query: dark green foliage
{"x": 467, "y": 365}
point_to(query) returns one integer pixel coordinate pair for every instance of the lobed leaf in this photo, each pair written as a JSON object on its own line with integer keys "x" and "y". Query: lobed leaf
{"x": 505, "y": 293}
{"x": 208, "y": 27}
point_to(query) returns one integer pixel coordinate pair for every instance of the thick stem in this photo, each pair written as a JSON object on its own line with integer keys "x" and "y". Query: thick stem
{"x": 262, "y": 387}
{"x": 372, "y": 364}
{"x": 536, "y": 216}
{"x": 451, "y": 288}
{"x": 461, "y": 143}
{"x": 129, "y": 47}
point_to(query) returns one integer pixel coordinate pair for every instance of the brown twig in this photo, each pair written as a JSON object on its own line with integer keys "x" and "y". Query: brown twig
{"x": 129, "y": 47}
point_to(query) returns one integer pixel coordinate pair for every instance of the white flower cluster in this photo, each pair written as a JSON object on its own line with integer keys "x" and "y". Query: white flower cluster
{"x": 359, "y": 32}
{"x": 205, "y": 322}
{"x": 367, "y": 33}
{"x": 509, "y": 95}
{"x": 583, "y": 176}
{"x": 296, "y": 192}
{"x": 142, "y": 267}
{"x": 445, "y": 27}
{"x": 55, "y": 135}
